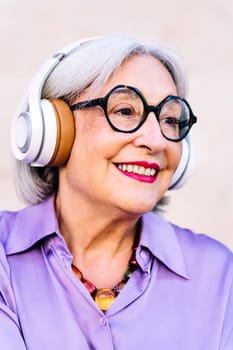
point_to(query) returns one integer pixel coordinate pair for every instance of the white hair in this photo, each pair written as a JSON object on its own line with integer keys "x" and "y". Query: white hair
{"x": 88, "y": 68}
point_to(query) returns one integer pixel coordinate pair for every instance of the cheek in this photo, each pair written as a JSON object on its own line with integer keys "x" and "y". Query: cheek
{"x": 91, "y": 127}
{"x": 80, "y": 151}
{"x": 92, "y": 140}
{"x": 95, "y": 138}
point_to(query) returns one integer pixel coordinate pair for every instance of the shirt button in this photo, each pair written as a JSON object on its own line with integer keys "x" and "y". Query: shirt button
{"x": 102, "y": 321}
{"x": 144, "y": 255}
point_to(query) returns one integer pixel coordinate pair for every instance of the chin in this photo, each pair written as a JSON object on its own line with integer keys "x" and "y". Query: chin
{"x": 140, "y": 208}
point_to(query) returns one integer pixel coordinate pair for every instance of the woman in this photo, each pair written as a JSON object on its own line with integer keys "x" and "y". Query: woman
{"x": 87, "y": 265}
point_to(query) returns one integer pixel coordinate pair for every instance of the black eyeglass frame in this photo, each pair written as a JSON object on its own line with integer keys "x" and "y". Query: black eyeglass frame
{"x": 103, "y": 102}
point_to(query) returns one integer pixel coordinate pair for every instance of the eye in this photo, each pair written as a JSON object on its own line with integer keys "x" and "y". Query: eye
{"x": 123, "y": 111}
{"x": 169, "y": 122}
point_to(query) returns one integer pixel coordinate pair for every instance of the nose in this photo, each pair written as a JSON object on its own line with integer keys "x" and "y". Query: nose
{"x": 149, "y": 135}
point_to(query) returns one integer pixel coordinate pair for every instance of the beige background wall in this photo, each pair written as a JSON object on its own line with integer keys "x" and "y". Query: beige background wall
{"x": 202, "y": 33}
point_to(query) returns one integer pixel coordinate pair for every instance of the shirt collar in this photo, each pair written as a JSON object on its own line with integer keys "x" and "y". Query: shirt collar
{"x": 30, "y": 225}
{"x": 160, "y": 238}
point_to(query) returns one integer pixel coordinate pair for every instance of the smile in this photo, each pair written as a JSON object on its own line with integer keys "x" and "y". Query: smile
{"x": 141, "y": 171}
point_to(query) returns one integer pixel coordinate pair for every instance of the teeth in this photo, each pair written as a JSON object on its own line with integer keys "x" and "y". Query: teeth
{"x": 141, "y": 170}
{"x": 129, "y": 168}
{"x": 152, "y": 172}
{"x": 137, "y": 169}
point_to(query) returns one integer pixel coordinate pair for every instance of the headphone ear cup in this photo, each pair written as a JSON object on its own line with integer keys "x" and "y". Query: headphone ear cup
{"x": 27, "y": 136}
{"x": 185, "y": 166}
{"x": 47, "y": 139}
{"x": 58, "y": 133}
{"x": 65, "y": 132}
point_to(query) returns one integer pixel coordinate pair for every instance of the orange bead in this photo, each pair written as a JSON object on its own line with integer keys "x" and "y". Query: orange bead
{"x": 104, "y": 298}
{"x": 77, "y": 272}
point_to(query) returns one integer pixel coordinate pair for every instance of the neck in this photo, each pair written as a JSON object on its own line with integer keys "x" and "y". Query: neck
{"x": 89, "y": 230}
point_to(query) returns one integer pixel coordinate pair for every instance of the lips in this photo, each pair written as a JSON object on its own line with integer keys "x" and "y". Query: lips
{"x": 141, "y": 171}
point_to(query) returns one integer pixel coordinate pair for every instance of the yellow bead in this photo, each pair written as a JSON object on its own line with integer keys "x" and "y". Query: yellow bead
{"x": 104, "y": 298}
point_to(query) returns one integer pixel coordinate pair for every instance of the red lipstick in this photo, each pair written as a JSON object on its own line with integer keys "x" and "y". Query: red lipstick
{"x": 140, "y": 170}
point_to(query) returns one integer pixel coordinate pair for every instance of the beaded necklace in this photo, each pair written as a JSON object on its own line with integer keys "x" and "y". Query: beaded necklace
{"x": 104, "y": 297}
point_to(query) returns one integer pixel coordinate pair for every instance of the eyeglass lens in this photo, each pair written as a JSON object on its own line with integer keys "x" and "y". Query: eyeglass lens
{"x": 126, "y": 110}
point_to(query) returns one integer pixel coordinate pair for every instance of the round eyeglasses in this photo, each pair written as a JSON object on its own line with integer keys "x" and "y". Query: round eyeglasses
{"x": 126, "y": 110}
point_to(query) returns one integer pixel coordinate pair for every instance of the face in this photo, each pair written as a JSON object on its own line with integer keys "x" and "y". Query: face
{"x": 113, "y": 171}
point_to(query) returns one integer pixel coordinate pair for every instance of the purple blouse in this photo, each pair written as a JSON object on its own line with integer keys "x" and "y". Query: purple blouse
{"x": 181, "y": 297}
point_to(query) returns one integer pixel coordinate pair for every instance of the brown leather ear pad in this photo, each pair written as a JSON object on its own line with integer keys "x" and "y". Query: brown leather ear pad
{"x": 65, "y": 132}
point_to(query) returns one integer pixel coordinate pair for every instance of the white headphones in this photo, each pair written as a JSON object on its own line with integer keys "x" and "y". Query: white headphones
{"x": 185, "y": 166}
{"x": 43, "y": 131}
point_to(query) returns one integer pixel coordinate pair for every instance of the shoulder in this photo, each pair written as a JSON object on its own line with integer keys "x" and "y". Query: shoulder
{"x": 192, "y": 242}
{"x": 11, "y": 225}
{"x": 202, "y": 246}
{"x": 202, "y": 255}
{"x": 8, "y": 221}
{"x": 6, "y": 294}
{"x": 22, "y": 229}
{"x": 209, "y": 261}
